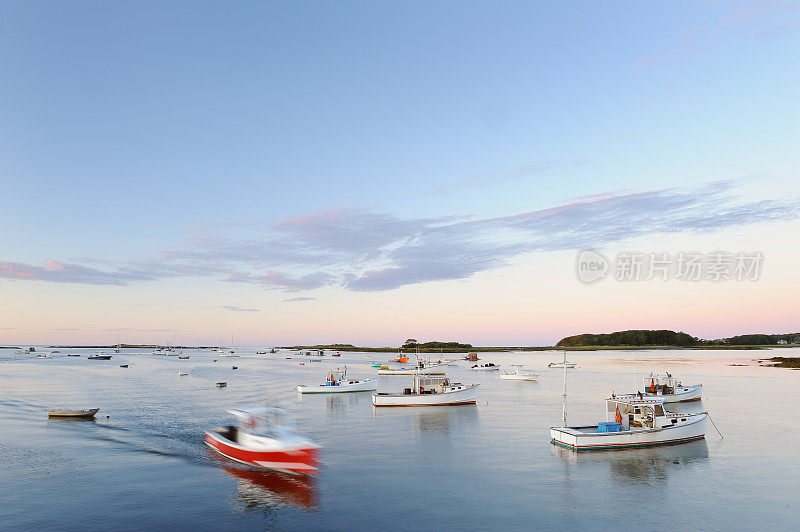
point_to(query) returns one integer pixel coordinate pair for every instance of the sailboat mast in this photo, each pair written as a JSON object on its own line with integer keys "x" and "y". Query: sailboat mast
{"x": 564, "y": 395}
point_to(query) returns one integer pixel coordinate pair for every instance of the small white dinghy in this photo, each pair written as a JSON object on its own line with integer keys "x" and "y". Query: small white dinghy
{"x": 485, "y": 367}
{"x": 519, "y": 375}
{"x": 668, "y": 389}
{"x": 337, "y": 382}
{"x": 429, "y": 390}
{"x": 182, "y": 374}
{"x": 77, "y": 414}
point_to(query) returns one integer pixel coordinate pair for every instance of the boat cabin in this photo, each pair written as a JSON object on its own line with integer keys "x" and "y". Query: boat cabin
{"x": 660, "y": 384}
{"x": 425, "y": 384}
{"x": 647, "y": 413}
{"x": 267, "y": 422}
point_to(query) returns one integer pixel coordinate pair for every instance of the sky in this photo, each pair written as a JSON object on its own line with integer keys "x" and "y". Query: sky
{"x": 280, "y": 173}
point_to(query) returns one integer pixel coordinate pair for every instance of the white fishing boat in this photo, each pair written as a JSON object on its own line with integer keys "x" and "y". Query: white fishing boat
{"x": 667, "y": 388}
{"x": 337, "y": 382}
{"x": 84, "y": 414}
{"x": 43, "y": 356}
{"x": 519, "y": 375}
{"x": 411, "y": 370}
{"x": 630, "y": 423}
{"x": 485, "y": 367}
{"x": 429, "y": 390}
{"x": 636, "y": 423}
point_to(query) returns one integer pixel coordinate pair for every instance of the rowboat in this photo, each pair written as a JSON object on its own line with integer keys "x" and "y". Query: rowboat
{"x": 668, "y": 388}
{"x": 83, "y": 414}
{"x": 485, "y": 367}
{"x": 337, "y": 382}
{"x": 222, "y": 384}
{"x": 518, "y": 375}
{"x": 564, "y": 364}
{"x": 265, "y": 437}
{"x": 123, "y": 365}
{"x": 430, "y": 391}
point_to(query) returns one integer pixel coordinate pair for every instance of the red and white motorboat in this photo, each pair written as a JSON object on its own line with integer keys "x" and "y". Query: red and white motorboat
{"x": 265, "y": 437}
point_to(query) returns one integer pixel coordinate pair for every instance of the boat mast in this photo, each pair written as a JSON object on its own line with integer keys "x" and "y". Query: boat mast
{"x": 564, "y": 395}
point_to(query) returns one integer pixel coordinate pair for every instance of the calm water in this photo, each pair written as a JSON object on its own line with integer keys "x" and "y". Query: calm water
{"x": 489, "y": 465}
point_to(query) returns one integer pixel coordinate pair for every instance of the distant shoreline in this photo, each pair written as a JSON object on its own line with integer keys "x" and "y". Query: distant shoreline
{"x": 439, "y": 350}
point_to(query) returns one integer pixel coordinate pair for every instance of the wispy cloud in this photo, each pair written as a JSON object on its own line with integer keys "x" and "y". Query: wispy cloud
{"x": 753, "y": 19}
{"x": 239, "y": 309}
{"x": 364, "y": 250}
{"x": 298, "y": 299}
{"x": 497, "y": 177}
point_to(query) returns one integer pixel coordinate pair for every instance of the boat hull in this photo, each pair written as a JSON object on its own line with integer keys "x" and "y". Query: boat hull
{"x": 467, "y": 396}
{"x": 82, "y": 414}
{"x": 366, "y": 385}
{"x": 578, "y": 440}
{"x": 297, "y": 461}
{"x": 519, "y": 377}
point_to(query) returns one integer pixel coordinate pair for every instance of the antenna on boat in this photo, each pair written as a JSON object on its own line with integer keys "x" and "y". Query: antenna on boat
{"x": 564, "y": 395}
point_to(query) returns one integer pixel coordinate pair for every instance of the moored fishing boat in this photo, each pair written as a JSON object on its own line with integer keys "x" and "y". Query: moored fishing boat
{"x": 429, "y": 390}
{"x": 422, "y": 369}
{"x": 668, "y": 388}
{"x": 99, "y": 357}
{"x": 519, "y": 375}
{"x": 337, "y": 382}
{"x": 265, "y": 437}
{"x": 564, "y": 364}
{"x": 636, "y": 423}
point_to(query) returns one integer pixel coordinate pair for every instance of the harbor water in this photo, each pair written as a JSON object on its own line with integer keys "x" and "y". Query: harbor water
{"x": 142, "y": 463}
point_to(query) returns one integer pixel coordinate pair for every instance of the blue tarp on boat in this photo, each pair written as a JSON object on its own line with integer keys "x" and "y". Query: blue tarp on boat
{"x": 609, "y": 426}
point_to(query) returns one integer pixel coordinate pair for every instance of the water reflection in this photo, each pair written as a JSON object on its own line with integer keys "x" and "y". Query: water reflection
{"x": 638, "y": 466}
{"x": 342, "y": 402}
{"x": 434, "y": 419}
{"x": 265, "y": 490}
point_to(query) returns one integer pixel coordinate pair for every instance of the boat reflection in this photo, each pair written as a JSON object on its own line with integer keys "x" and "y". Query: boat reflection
{"x": 638, "y": 466}
{"x": 342, "y": 403}
{"x": 267, "y": 489}
{"x": 434, "y": 419}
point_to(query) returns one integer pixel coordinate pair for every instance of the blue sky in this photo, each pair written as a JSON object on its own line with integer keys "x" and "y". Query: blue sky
{"x": 163, "y": 142}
